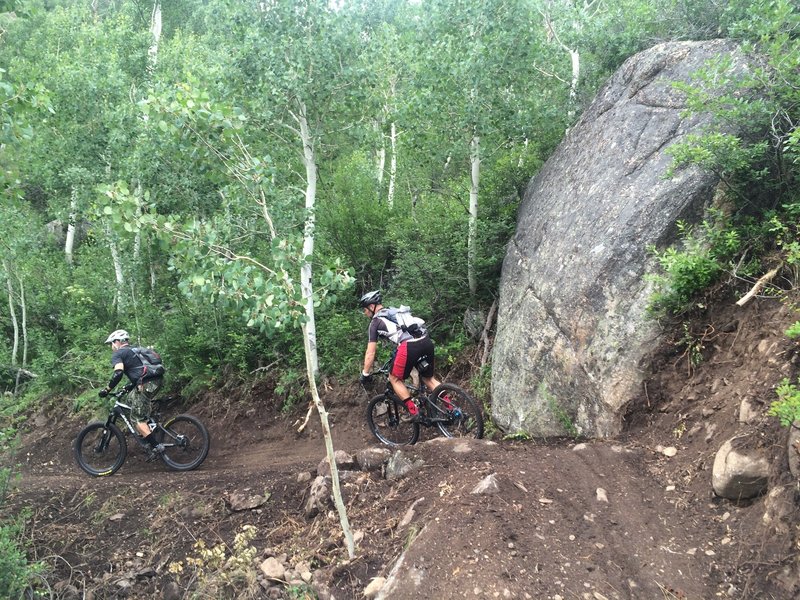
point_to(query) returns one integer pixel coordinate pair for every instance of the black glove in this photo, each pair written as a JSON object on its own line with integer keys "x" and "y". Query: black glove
{"x": 103, "y": 393}
{"x": 364, "y": 379}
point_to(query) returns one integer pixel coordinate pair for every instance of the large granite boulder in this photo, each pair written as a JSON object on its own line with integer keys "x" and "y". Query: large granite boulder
{"x": 572, "y": 330}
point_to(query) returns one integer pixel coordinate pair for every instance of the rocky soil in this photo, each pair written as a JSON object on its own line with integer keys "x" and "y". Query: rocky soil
{"x": 633, "y": 517}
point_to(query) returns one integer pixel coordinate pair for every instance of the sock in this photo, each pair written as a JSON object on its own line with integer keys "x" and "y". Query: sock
{"x": 412, "y": 408}
{"x": 151, "y": 439}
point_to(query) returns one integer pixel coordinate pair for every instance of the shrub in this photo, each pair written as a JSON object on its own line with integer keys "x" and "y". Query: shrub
{"x": 787, "y": 407}
{"x": 704, "y": 257}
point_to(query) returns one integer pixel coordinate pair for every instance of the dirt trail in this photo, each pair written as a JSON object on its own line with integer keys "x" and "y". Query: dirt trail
{"x": 601, "y": 519}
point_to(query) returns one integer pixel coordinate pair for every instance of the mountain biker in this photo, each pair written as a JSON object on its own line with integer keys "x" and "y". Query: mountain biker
{"x": 412, "y": 351}
{"x": 142, "y": 389}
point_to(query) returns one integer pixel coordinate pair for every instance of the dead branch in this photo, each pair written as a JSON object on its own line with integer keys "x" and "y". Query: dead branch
{"x": 485, "y": 333}
{"x": 308, "y": 415}
{"x": 759, "y": 284}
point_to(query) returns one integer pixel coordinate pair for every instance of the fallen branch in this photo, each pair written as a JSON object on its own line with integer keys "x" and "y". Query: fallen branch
{"x": 19, "y": 371}
{"x": 308, "y": 415}
{"x": 757, "y": 287}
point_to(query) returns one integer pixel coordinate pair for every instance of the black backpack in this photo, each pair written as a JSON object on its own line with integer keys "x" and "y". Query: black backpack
{"x": 151, "y": 361}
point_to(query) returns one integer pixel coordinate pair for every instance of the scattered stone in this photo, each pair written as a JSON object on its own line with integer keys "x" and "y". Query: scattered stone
{"x": 171, "y": 591}
{"x": 739, "y": 474}
{"x": 602, "y": 496}
{"x": 793, "y": 449}
{"x": 318, "y": 497}
{"x": 691, "y": 551}
{"x": 273, "y": 569}
{"x": 462, "y": 448}
{"x": 239, "y": 501}
{"x": 304, "y": 477}
{"x": 409, "y": 514}
{"x": 670, "y": 488}
{"x": 579, "y": 447}
{"x": 400, "y": 466}
{"x": 145, "y": 573}
{"x": 545, "y": 501}
{"x": 372, "y": 459}
{"x": 124, "y": 584}
{"x": 488, "y": 485}
{"x": 374, "y": 587}
{"x": 344, "y": 461}
{"x": 669, "y": 451}
{"x": 358, "y": 535}
{"x": 748, "y": 411}
{"x": 117, "y": 517}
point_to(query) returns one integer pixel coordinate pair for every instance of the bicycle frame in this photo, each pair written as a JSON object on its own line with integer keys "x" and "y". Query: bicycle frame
{"x": 419, "y": 393}
{"x": 120, "y": 410}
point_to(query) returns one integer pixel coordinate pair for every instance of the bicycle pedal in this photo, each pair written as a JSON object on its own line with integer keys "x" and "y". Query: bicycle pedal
{"x": 154, "y": 453}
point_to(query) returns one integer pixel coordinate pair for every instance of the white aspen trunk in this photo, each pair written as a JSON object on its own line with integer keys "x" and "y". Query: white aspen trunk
{"x": 380, "y": 163}
{"x": 73, "y": 210}
{"x": 309, "y": 328}
{"x": 155, "y": 32}
{"x": 521, "y": 159}
{"x": 13, "y": 313}
{"x": 575, "y": 57}
{"x": 118, "y": 272}
{"x": 24, "y": 313}
{"x": 392, "y": 166}
{"x": 472, "y": 235}
{"x": 137, "y": 238}
{"x": 326, "y": 433}
{"x": 308, "y": 236}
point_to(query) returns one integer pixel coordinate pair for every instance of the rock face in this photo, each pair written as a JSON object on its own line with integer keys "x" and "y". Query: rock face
{"x": 572, "y": 331}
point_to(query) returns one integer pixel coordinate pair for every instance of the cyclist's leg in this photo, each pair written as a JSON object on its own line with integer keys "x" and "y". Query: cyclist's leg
{"x": 401, "y": 368}
{"x": 424, "y": 352}
{"x": 141, "y": 408}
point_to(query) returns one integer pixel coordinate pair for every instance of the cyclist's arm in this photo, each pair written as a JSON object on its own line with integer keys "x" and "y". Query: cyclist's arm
{"x": 369, "y": 357}
{"x": 119, "y": 371}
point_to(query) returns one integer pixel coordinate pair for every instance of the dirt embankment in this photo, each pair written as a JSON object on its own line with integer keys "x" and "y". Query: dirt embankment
{"x": 598, "y": 519}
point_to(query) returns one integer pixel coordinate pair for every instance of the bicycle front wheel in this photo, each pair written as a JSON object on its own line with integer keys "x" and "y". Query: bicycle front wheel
{"x": 390, "y": 421}
{"x": 457, "y": 414}
{"x": 186, "y": 442}
{"x": 100, "y": 450}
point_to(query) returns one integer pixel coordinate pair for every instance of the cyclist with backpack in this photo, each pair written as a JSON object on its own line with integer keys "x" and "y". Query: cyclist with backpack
{"x": 414, "y": 346}
{"x": 145, "y": 379}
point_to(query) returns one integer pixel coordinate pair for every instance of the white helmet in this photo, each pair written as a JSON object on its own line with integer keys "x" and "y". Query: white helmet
{"x": 120, "y": 335}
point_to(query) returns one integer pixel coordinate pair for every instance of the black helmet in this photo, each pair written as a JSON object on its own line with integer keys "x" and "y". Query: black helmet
{"x": 374, "y": 297}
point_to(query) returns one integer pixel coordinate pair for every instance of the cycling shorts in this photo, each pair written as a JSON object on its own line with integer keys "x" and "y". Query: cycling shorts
{"x": 410, "y": 353}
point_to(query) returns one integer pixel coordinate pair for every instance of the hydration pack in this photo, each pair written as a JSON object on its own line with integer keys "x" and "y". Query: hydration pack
{"x": 401, "y": 325}
{"x": 151, "y": 362}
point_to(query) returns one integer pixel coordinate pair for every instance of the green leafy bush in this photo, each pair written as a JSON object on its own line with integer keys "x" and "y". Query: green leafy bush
{"x": 700, "y": 262}
{"x": 787, "y": 407}
{"x": 15, "y": 571}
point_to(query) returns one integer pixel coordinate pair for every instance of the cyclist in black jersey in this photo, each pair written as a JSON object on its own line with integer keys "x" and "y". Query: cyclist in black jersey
{"x": 412, "y": 351}
{"x": 125, "y": 362}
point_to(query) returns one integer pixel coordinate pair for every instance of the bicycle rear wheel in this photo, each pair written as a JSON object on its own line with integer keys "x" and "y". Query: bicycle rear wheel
{"x": 100, "y": 450}
{"x": 457, "y": 413}
{"x": 390, "y": 421}
{"x": 186, "y": 442}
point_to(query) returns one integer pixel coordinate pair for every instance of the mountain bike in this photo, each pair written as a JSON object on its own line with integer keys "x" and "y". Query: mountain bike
{"x": 101, "y": 447}
{"x": 449, "y": 408}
